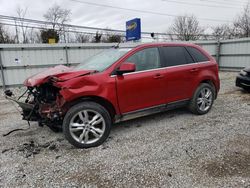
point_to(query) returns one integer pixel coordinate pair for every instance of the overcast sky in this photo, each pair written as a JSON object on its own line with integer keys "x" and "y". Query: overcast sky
{"x": 96, "y": 16}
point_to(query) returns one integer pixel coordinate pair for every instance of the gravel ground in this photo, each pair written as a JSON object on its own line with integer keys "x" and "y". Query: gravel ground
{"x": 172, "y": 149}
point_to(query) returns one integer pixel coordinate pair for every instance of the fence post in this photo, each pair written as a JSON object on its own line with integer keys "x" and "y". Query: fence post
{"x": 2, "y": 71}
{"x": 218, "y": 52}
{"x": 67, "y": 55}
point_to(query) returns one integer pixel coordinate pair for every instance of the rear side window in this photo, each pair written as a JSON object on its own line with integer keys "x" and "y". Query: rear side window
{"x": 197, "y": 55}
{"x": 175, "y": 55}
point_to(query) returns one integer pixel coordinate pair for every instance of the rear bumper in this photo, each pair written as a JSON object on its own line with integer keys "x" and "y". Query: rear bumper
{"x": 243, "y": 82}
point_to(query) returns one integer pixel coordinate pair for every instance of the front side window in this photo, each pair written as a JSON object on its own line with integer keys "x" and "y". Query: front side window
{"x": 146, "y": 59}
{"x": 103, "y": 60}
{"x": 175, "y": 55}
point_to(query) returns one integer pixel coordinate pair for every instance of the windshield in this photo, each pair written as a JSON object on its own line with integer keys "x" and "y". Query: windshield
{"x": 103, "y": 60}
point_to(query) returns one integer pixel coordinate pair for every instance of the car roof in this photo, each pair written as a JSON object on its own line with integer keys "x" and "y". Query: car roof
{"x": 155, "y": 44}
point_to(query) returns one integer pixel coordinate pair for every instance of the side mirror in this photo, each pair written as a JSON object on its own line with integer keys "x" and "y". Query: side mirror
{"x": 126, "y": 68}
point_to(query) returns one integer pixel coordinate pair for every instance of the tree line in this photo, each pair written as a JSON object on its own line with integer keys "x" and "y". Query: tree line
{"x": 185, "y": 28}
{"x": 188, "y": 28}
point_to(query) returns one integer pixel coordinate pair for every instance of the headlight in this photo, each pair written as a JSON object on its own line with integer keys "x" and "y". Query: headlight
{"x": 243, "y": 73}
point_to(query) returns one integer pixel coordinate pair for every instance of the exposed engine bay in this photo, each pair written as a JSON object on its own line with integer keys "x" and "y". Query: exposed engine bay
{"x": 44, "y": 99}
{"x": 42, "y": 104}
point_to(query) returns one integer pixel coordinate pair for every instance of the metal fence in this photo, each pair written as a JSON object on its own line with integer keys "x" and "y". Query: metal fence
{"x": 230, "y": 54}
{"x": 18, "y": 61}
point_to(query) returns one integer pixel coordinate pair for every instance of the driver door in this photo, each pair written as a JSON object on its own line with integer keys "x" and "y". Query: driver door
{"x": 144, "y": 88}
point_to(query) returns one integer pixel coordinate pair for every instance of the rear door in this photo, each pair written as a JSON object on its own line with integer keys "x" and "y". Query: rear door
{"x": 145, "y": 87}
{"x": 180, "y": 72}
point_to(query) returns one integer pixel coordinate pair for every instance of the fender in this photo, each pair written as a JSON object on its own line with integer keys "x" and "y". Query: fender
{"x": 86, "y": 86}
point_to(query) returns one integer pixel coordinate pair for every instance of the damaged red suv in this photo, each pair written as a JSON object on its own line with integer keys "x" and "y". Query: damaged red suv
{"x": 119, "y": 84}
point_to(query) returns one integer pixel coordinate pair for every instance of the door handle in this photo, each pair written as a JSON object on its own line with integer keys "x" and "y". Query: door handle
{"x": 194, "y": 70}
{"x": 158, "y": 76}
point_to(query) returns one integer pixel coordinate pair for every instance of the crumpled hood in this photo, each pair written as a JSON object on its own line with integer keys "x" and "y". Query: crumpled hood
{"x": 58, "y": 73}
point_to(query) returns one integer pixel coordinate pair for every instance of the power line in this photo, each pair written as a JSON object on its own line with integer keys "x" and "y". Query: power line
{"x": 236, "y": 1}
{"x": 197, "y": 4}
{"x": 34, "y": 26}
{"x": 48, "y": 23}
{"x": 233, "y": 1}
{"x": 32, "y": 21}
{"x": 75, "y": 31}
{"x": 44, "y": 28}
{"x": 228, "y": 3}
{"x": 142, "y": 11}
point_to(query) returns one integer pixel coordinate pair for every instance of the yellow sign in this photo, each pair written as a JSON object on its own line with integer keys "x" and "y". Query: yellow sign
{"x": 52, "y": 41}
{"x": 132, "y": 26}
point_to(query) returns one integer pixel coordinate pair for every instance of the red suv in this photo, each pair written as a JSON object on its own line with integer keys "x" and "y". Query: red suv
{"x": 119, "y": 84}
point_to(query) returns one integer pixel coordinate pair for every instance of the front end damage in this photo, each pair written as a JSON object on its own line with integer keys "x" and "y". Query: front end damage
{"x": 43, "y": 104}
{"x": 42, "y": 101}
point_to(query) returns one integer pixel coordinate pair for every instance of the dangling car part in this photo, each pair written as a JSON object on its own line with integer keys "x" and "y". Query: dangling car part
{"x": 43, "y": 102}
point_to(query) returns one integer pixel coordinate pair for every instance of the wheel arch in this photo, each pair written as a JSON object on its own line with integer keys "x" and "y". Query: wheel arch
{"x": 100, "y": 100}
{"x": 210, "y": 82}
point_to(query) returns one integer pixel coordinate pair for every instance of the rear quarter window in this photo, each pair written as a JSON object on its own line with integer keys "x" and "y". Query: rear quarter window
{"x": 175, "y": 55}
{"x": 197, "y": 55}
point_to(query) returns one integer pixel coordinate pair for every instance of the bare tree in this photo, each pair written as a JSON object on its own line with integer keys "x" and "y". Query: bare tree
{"x": 57, "y": 17}
{"x": 222, "y": 32}
{"x": 82, "y": 38}
{"x": 17, "y": 32}
{"x": 114, "y": 37}
{"x": 21, "y": 13}
{"x": 186, "y": 28}
{"x": 5, "y": 36}
{"x": 110, "y": 37}
{"x": 239, "y": 29}
{"x": 242, "y": 23}
{"x": 34, "y": 36}
{"x": 97, "y": 37}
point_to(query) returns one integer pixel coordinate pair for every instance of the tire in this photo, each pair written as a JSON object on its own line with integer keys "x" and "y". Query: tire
{"x": 247, "y": 89}
{"x": 55, "y": 129}
{"x": 202, "y": 101}
{"x": 86, "y": 125}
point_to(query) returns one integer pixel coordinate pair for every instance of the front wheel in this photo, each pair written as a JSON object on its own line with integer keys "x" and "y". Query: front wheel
{"x": 87, "y": 125}
{"x": 247, "y": 89}
{"x": 203, "y": 99}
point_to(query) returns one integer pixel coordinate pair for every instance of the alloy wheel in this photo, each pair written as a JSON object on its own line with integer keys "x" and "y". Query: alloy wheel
{"x": 87, "y": 126}
{"x": 205, "y": 99}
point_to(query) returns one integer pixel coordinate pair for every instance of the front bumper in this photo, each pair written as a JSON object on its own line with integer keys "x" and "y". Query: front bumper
{"x": 243, "y": 82}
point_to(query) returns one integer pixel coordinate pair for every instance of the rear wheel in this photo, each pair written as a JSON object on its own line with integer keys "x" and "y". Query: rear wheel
{"x": 87, "y": 125}
{"x": 203, "y": 99}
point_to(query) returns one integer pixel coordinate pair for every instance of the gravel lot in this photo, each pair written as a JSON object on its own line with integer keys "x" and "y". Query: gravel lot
{"x": 172, "y": 149}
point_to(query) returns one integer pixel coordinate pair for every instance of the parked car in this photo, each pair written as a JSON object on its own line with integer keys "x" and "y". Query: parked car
{"x": 121, "y": 84}
{"x": 243, "y": 79}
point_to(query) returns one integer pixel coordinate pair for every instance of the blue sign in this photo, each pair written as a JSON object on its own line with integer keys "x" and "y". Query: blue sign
{"x": 133, "y": 29}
